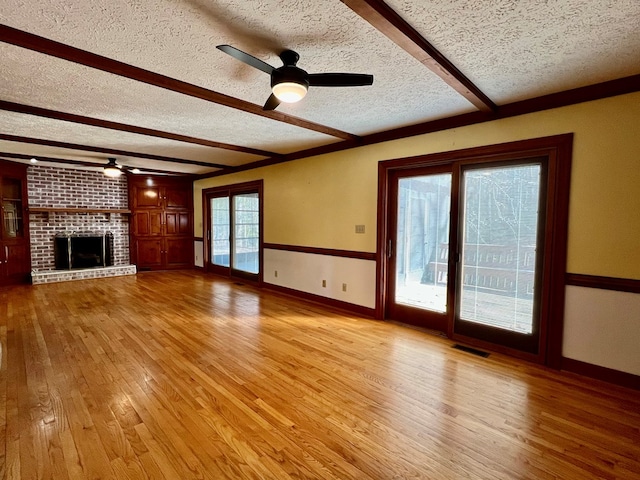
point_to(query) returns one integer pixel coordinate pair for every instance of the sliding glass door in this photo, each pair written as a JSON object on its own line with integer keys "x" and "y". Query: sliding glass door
{"x": 466, "y": 248}
{"x": 501, "y": 248}
{"x": 234, "y": 230}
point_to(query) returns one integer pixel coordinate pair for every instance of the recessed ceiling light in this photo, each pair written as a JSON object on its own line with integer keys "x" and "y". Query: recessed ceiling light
{"x": 135, "y": 170}
{"x": 34, "y": 160}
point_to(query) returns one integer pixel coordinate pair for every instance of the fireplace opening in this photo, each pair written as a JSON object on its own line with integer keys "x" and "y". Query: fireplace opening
{"x": 83, "y": 250}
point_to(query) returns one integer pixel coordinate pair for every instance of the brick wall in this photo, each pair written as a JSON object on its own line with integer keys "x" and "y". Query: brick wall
{"x": 69, "y": 188}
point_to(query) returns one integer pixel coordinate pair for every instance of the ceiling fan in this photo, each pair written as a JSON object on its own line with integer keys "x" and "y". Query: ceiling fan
{"x": 113, "y": 169}
{"x": 289, "y": 83}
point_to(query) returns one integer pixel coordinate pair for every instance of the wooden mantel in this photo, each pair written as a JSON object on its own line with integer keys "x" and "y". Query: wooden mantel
{"x": 49, "y": 210}
{"x": 77, "y": 210}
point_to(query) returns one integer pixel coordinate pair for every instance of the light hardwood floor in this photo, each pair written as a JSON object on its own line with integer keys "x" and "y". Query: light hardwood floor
{"x": 181, "y": 375}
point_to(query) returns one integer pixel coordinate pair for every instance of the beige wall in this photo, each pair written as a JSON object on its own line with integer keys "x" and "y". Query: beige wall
{"x": 318, "y": 201}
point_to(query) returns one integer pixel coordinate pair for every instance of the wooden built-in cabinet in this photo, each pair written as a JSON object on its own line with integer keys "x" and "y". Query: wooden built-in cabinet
{"x": 161, "y": 222}
{"x": 15, "y": 254}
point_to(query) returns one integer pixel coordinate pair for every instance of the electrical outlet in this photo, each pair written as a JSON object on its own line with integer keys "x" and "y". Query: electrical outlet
{"x": 344, "y": 287}
{"x": 359, "y": 228}
{"x": 276, "y": 274}
{"x": 324, "y": 284}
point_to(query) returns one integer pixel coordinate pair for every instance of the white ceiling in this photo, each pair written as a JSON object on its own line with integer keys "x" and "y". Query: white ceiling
{"x": 510, "y": 49}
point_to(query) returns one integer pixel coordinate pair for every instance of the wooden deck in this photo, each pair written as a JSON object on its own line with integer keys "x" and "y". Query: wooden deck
{"x": 183, "y": 376}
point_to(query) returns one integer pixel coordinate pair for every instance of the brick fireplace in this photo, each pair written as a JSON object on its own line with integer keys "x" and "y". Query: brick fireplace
{"x": 91, "y": 193}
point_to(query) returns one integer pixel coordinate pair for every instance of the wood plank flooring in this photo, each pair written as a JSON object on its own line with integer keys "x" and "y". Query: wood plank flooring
{"x": 185, "y": 376}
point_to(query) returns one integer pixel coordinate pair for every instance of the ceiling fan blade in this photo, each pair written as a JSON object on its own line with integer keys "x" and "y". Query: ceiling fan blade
{"x": 246, "y": 58}
{"x": 340, "y": 80}
{"x": 272, "y": 103}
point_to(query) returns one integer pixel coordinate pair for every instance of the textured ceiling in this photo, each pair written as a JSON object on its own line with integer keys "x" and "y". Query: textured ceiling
{"x": 514, "y": 49}
{"x": 511, "y": 50}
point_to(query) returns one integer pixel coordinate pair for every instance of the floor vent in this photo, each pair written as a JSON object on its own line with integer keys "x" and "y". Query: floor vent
{"x": 473, "y": 351}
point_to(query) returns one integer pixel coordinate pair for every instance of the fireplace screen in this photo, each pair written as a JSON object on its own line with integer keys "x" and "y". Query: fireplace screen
{"x": 87, "y": 250}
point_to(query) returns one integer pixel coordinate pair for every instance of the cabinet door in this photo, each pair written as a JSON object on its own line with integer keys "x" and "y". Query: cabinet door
{"x": 147, "y": 223}
{"x": 178, "y": 223}
{"x": 12, "y": 208}
{"x": 178, "y": 197}
{"x": 17, "y": 260}
{"x": 15, "y": 254}
{"x": 179, "y": 252}
{"x": 149, "y": 253}
{"x": 147, "y": 197}
{"x": 4, "y": 279}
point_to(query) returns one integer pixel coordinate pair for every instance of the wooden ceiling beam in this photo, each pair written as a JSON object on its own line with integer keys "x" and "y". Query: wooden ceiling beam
{"x": 388, "y": 22}
{"x": 123, "y": 127}
{"x": 108, "y": 151}
{"x": 39, "y": 44}
{"x": 81, "y": 163}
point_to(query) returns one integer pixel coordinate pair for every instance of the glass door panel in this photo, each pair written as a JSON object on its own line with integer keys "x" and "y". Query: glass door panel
{"x": 11, "y": 194}
{"x": 418, "y": 247}
{"x": 246, "y": 238}
{"x": 499, "y": 250}
{"x": 220, "y": 232}
{"x": 422, "y": 241}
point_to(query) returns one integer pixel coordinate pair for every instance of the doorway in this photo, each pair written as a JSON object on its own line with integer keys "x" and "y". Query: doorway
{"x": 233, "y": 226}
{"x": 473, "y": 245}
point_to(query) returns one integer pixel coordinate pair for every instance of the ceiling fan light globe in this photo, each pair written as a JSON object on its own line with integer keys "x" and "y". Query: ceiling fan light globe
{"x": 112, "y": 172}
{"x": 112, "y": 169}
{"x": 289, "y": 92}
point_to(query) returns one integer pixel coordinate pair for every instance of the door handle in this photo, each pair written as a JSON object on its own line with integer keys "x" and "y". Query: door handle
{"x": 389, "y": 248}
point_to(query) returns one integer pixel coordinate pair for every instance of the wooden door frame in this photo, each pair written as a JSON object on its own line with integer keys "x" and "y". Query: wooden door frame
{"x": 234, "y": 189}
{"x": 558, "y": 149}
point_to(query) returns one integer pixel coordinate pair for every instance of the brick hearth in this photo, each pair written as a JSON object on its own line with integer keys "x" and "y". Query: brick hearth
{"x": 52, "y": 187}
